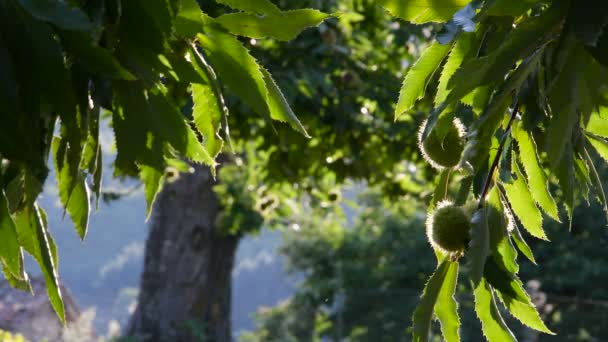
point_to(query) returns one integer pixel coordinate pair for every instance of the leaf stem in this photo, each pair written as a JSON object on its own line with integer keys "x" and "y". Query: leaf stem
{"x": 503, "y": 139}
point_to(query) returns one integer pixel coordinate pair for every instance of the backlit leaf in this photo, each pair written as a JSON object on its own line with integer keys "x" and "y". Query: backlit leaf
{"x": 153, "y": 180}
{"x": 479, "y": 246}
{"x": 418, "y": 76}
{"x": 537, "y": 180}
{"x": 10, "y": 251}
{"x": 423, "y": 11}
{"x": 511, "y": 293}
{"x": 279, "y": 108}
{"x": 523, "y": 204}
{"x": 424, "y": 310}
{"x": 207, "y": 117}
{"x": 457, "y": 54}
{"x": 36, "y": 240}
{"x": 285, "y": 26}
{"x": 446, "y": 307}
{"x": 252, "y": 6}
{"x": 492, "y": 324}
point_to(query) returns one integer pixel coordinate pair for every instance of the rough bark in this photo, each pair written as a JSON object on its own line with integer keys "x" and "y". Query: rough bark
{"x": 185, "y": 288}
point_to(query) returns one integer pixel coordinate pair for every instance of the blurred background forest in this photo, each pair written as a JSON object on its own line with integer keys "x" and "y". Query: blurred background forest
{"x": 353, "y": 257}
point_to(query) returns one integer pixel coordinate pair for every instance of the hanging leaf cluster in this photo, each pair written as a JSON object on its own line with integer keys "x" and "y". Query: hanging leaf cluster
{"x": 529, "y": 80}
{"x": 159, "y": 68}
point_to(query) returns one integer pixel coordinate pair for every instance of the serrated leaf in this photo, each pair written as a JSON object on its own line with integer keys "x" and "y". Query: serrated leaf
{"x": 521, "y": 244}
{"x": 446, "y": 307}
{"x": 423, "y": 11}
{"x": 501, "y": 248}
{"x": 189, "y": 20}
{"x": 597, "y": 125}
{"x": 600, "y": 146}
{"x": 252, "y": 6}
{"x": 510, "y": 7}
{"x": 58, "y": 13}
{"x": 10, "y": 250}
{"x": 511, "y": 293}
{"x": 207, "y": 117}
{"x": 241, "y": 73}
{"x": 424, "y": 311}
{"x": 479, "y": 246}
{"x": 521, "y": 42}
{"x": 35, "y": 239}
{"x": 597, "y": 183}
{"x": 523, "y": 205}
{"x": 153, "y": 180}
{"x": 237, "y": 70}
{"x": 461, "y": 48}
{"x": 564, "y": 171}
{"x": 493, "y": 115}
{"x": 418, "y": 77}
{"x": 278, "y": 106}
{"x": 22, "y": 282}
{"x": 563, "y": 101}
{"x": 537, "y": 180}
{"x": 73, "y": 189}
{"x": 92, "y": 56}
{"x": 145, "y": 122}
{"x": 284, "y": 26}
{"x": 492, "y": 324}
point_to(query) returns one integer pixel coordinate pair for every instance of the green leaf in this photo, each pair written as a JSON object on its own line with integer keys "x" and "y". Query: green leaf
{"x": 10, "y": 250}
{"x": 73, "y": 189}
{"x": 597, "y": 182}
{"x": 521, "y": 42}
{"x": 279, "y": 108}
{"x": 563, "y": 101}
{"x": 153, "y": 180}
{"x": 423, "y": 11}
{"x": 92, "y": 56}
{"x": 600, "y": 145}
{"x": 493, "y": 115}
{"x": 424, "y": 310}
{"x": 241, "y": 73}
{"x": 564, "y": 171}
{"x": 418, "y": 77}
{"x": 510, "y": 7}
{"x": 58, "y": 13}
{"x": 501, "y": 248}
{"x": 35, "y": 239}
{"x": 22, "y": 282}
{"x": 285, "y": 26}
{"x": 479, "y": 246}
{"x": 537, "y": 180}
{"x": 597, "y": 125}
{"x": 461, "y": 48}
{"x": 492, "y": 323}
{"x": 512, "y": 294}
{"x": 446, "y": 307}
{"x": 237, "y": 69}
{"x": 252, "y": 6}
{"x": 523, "y": 204}
{"x": 207, "y": 117}
{"x": 189, "y": 19}
{"x": 521, "y": 243}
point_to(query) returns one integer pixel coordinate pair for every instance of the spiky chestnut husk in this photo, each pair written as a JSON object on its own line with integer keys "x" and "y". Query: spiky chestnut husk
{"x": 447, "y": 228}
{"x": 446, "y": 152}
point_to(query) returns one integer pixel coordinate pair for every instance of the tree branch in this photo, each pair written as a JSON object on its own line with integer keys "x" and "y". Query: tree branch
{"x": 496, "y": 160}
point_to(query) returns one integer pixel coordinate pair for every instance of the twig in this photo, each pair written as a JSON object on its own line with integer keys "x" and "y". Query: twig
{"x": 496, "y": 160}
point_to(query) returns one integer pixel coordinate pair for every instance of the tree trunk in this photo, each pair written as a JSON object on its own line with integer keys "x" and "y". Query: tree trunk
{"x": 185, "y": 291}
